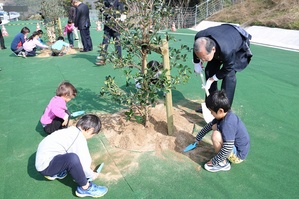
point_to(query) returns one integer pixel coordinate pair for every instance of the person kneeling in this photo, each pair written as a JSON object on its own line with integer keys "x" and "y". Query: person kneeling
{"x": 66, "y": 151}
{"x": 60, "y": 47}
{"x": 230, "y": 137}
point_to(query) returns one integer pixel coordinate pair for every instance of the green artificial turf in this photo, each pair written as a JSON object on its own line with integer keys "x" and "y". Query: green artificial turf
{"x": 266, "y": 100}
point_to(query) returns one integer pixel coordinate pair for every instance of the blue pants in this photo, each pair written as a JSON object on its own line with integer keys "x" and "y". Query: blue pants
{"x": 69, "y": 162}
{"x": 86, "y": 40}
{"x": 70, "y": 38}
{"x": 31, "y": 53}
{"x": 108, "y": 33}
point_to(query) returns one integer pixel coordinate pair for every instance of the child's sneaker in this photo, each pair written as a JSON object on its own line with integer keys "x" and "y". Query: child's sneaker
{"x": 92, "y": 191}
{"x": 59, "y": 176}
{"x": 220, "y": 167}
{"x": 23, "y": 54}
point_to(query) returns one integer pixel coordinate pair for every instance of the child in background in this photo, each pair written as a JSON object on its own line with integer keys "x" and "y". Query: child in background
{"x": 154, "y": 70}
{"x": 68, "y": 30}
{"x": 59, "y": 47}
{"x": 40, "y": 35}
{"x": 31, "y": 44}
{"x": 18, "y": 41}
{"x": 66, "y": 151}
{"x": 2, "y": 44}
{"x": 230, "y": 137}
{"x": 56, "y": 115}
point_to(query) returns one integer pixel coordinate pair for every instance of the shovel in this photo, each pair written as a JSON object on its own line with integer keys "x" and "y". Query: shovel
{"x": 190, "y": 147}
{"x": 98, "y": 170}
{"x": 77, "y": 113}
{"x": 208, "y": 117}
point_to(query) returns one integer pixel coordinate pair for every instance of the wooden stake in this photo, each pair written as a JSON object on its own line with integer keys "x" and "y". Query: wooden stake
{"x": 166, "y": 65}
{"x": 59, "y": 27}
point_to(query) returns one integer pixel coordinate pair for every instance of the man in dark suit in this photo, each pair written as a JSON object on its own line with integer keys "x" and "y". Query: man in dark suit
{"x": 225, "y": 45}
{"x": 82, "y": 21}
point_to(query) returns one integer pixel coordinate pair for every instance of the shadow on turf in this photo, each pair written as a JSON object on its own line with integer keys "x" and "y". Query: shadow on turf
{"x": 39, "y": 128}
{"x": 84, "y": 55}
{"x": 88, "y": 100}
{"x": 33, "y": 173}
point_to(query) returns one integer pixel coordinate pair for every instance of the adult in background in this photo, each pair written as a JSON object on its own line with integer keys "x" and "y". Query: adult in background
{"x": 72, "y": 18}
{"x": 82, "y": 21}
{"x": 2, "y": 39}
{"x": 227, "y": 46}
{"x": 115, "y": 9}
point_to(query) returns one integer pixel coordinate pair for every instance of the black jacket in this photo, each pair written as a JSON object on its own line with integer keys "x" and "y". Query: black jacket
{"x": 72, "y": 14}
{"x": 232, "y": 47}
{"x": 112, "y": 8}
{"x": 82, "y": 20}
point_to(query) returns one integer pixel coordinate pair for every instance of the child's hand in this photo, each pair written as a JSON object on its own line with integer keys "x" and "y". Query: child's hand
{"x": 66, "y": 118}
{"x": 64, "y": 123}
{"x": 95, "y": 175}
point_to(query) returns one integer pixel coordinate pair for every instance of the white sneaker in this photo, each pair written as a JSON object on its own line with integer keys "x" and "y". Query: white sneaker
{"x": 221, "y": 167}
{"x": 24, "y": 55}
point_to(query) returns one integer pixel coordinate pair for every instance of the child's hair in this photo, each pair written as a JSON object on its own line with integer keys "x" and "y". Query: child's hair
{"x": 217, "y": 100}
{"x": 90, "y": 121}
{"x": 25, "y": 30}
{"x": 40, "y": 32}
{"x": 69, "y": 21}
{"x": 33, "y": 35}
{"x": 154, "y": 66}
{"x": 66, "y": 89}
{"x": 60, "y": 38}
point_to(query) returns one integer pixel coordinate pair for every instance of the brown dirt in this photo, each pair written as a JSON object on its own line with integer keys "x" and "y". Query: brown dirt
{"x": 128, "y": 140}
{"x": 47, "y": 53}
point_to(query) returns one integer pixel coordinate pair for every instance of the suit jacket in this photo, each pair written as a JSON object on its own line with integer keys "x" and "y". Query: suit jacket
{"x": 82, "y": 20}
{"x": 232, "y": 47}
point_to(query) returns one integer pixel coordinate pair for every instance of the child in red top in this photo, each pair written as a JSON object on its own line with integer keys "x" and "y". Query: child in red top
{"x": 68, "y": 30}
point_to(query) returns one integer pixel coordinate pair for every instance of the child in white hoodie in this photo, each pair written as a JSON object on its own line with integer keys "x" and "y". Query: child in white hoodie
{"x": 66, "y": 151}
{"x": 31, "y": 43}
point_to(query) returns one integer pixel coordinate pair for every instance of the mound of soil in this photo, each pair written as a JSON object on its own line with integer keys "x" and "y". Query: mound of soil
{"x": 128, "y": 140}
{"x": 48, "y": 53}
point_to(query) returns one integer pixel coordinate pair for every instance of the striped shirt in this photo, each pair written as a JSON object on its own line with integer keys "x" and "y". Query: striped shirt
{"x": 234, "y": 133}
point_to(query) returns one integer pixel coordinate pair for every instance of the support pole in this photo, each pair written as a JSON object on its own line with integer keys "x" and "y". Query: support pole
{"x": 166, "y": 65}
{"x": 59, "y": 27}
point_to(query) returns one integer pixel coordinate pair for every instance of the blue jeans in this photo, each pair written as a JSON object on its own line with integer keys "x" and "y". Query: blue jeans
{"x": 70, "y": 37}
{"x": 108, "y": 33}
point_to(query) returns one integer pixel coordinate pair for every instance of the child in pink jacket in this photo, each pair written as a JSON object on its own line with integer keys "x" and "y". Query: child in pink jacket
{"x": 56, "y": 115}
{"x": 68, "y": 30}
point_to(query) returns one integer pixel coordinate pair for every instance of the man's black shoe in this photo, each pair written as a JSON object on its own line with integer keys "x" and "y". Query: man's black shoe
{"x": 199, "y": 110}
